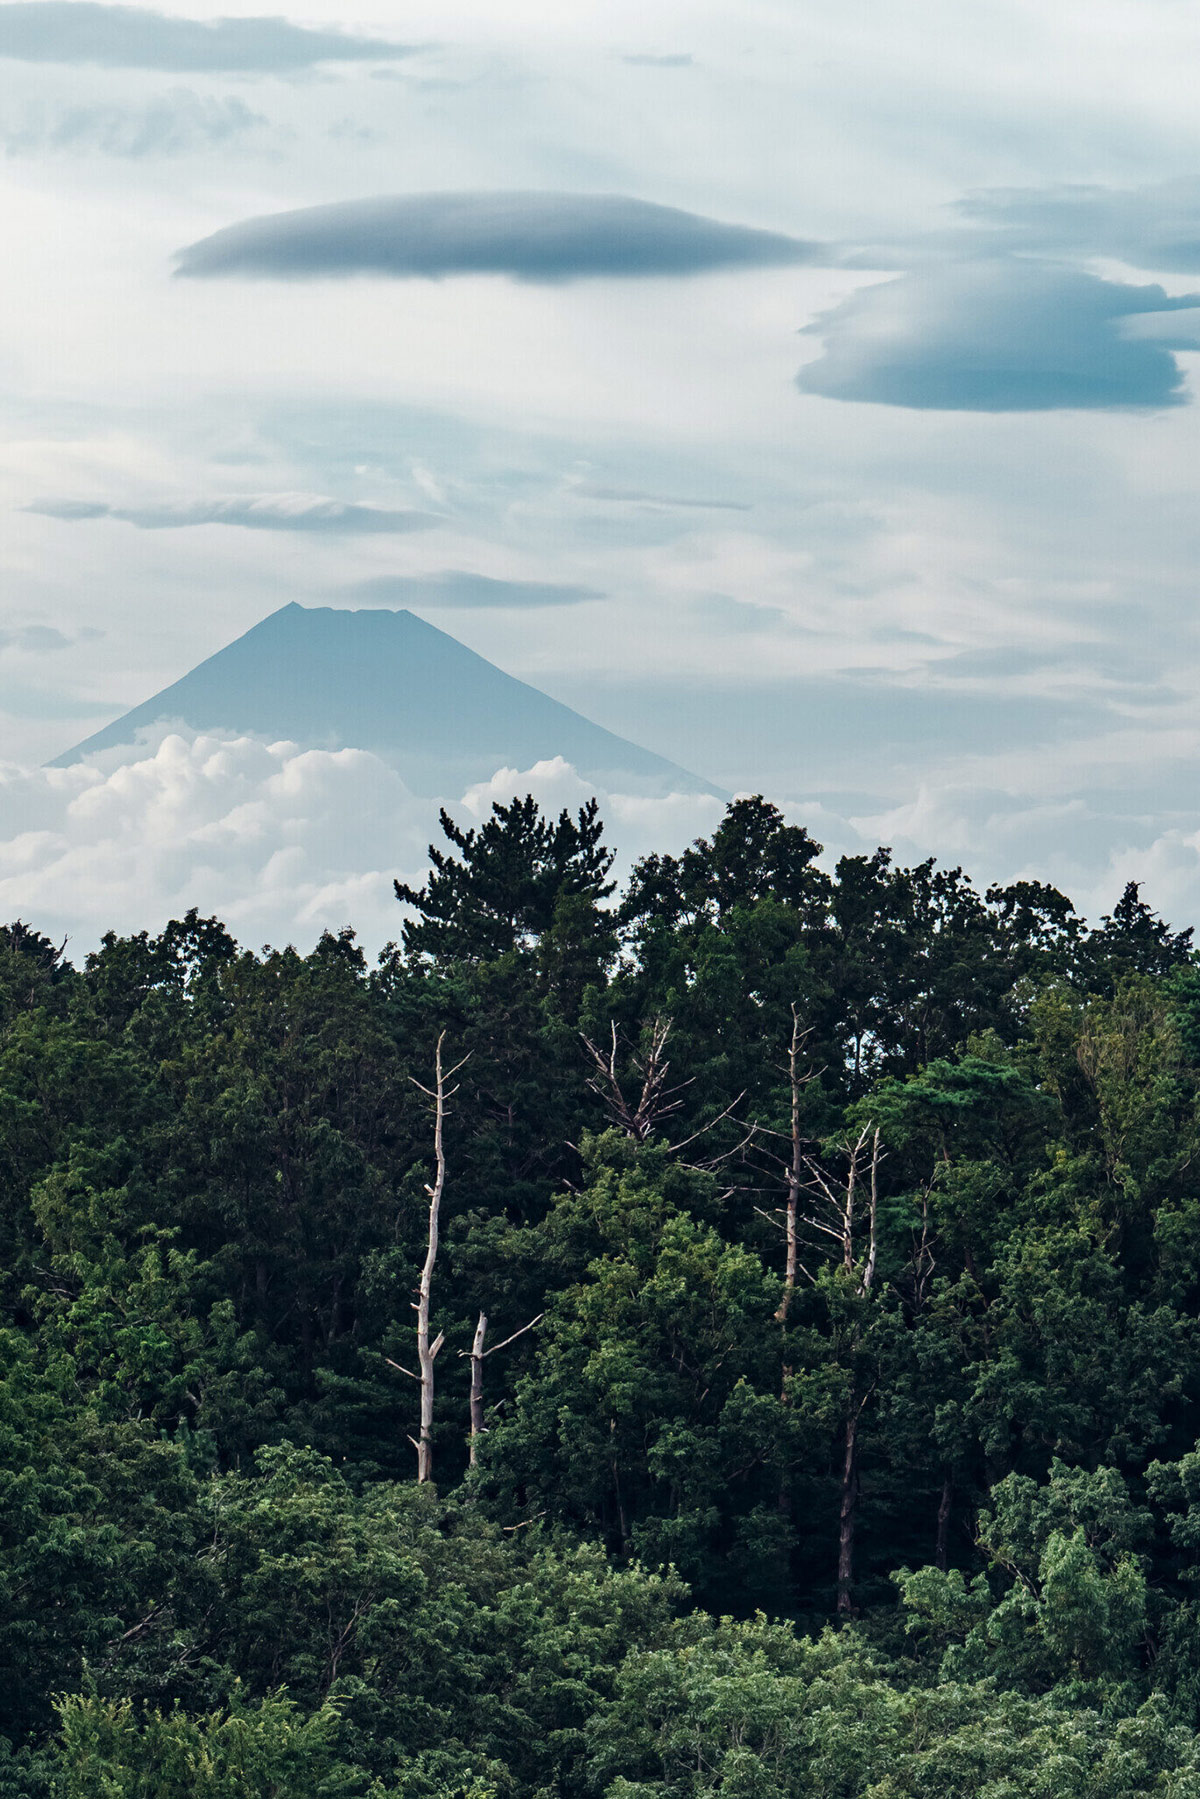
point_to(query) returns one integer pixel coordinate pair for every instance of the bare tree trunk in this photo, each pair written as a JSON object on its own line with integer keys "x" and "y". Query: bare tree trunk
{"x": 622, "y": 1516}
{"x": 868, "y": 1274}
{"x": 795, "y": 1171}
{"x": 833, "y": 1217}
{"x": 478, "y": 1356}
{"x": 795, "y": 1179}
{"x": 941, "y": 1554}
{"x": 427, "y": 1351}
{"x": 847, "y": 1517}
{"x": 477, "y": 1388}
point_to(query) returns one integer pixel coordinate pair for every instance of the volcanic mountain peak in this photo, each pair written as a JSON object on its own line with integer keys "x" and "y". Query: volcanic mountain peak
{"x": 393, "y": 684}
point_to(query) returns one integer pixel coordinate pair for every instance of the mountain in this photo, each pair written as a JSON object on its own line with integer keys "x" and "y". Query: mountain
{"x": 390, "y": 683}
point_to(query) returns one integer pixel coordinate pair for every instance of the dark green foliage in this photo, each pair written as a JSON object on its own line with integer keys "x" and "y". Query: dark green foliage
{"x": 960, "y": 1419}
{"x": 519, "y": 880}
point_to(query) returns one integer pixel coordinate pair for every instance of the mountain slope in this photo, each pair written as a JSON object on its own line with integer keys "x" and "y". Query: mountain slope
{"x": 390, "y": 683}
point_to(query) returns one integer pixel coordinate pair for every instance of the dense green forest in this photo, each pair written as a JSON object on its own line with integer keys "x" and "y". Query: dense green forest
{"x": 799, "y": 1393}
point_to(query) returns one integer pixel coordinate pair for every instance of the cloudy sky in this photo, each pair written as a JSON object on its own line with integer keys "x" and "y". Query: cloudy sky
{"x": 808, "y": 392}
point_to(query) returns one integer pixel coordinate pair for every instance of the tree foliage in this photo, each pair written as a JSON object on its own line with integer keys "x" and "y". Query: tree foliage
{"x": 836, "y": 1419}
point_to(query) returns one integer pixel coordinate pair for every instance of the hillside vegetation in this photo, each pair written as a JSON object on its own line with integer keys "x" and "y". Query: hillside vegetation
{"x": 804, "y": 1372}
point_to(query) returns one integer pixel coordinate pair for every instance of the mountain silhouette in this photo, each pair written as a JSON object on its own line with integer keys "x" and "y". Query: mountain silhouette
{"x": 393, "y": 684}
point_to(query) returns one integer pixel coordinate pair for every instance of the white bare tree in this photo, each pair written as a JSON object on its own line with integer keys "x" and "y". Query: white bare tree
{"x": 440, "y": 1093}
{"x": 478, "y": 1356}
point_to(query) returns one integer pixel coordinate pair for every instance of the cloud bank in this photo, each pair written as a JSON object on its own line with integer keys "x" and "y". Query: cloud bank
{"x": 279, "y": 842}
{"x": 132, "y": 37}
{"x": 457, "y": 587}
{"x": 1003, "y": 335}
{"x": 254, "y": 512}
{"x": 283, "y": 842}
{"x": 545, "y": 237}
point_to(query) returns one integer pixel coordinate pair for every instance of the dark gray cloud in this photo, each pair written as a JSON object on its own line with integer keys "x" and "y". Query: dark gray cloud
{"x": 638, "y": 496}
{"x": 132, "y": 37}
{"x": 256, "y": 512}
{"x": 1003, "y": 335}
{"x": 532, "y": 236}
{"x": 1150, "y": 227}
{"x": 460, "y": 588}
{"x": 177, "y": 122}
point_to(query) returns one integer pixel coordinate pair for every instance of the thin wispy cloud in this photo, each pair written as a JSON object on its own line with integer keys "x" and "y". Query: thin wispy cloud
{"x": 637, "y": 496}
{"x": 134, "y": 37}
{"x": 454, "y": 587}
{"x": 1153, "y": 227}
{"x": 255, "y": 512}
{"x": 175, "y": 124}
{"x": 36, "y": 640}
{"x": 544, "y": 237}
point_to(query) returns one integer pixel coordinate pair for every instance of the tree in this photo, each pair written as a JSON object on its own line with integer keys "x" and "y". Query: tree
{"x": 477, "y": 1356}
{"x": 843, "y": 1216}
{"x": 639, "y": 1117}
{"x": 427, "y": 1350}
{"x": 653, "y": 1410}
{"x": 515, "y": 877}
{"x": 1073, "y": 1604}
{"x": 107, "y": 1749}
{"x": 1132, "y": 940}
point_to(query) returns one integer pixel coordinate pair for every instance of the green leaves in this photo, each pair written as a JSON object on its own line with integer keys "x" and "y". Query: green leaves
{"x": 107, "y": 1749}
{"x": 519, "y": 880}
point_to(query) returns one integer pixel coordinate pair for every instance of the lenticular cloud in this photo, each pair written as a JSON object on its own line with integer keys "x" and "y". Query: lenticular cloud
{"x": 532, "y": 236}
{"x": 279, "y": 842}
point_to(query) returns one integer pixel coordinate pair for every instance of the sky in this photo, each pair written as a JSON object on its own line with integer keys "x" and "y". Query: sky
{"x": 806, "y": 392}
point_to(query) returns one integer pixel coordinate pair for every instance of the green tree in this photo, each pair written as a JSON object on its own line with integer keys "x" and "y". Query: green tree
{"x": 519, "y": 879}
{"x": 106, "y": 1749}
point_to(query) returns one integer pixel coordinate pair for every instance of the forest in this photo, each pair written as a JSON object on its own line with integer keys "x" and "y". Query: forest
{"x": 735, "y": 1333}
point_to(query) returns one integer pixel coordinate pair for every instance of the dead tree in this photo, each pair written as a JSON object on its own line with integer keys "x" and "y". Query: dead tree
{"x": 478, "y": 1356}
{"x": 427, "y": 1352}
{"x": 790, "y": 1164}
{"x": 841, "y": 1220}
{"x": 844, "y": 1214}
{"x": 794, "y": 1164}
{"x": 639, "y": 1118}
{"x": 656, "y": 1101}
{"x": 836, "y": 1206}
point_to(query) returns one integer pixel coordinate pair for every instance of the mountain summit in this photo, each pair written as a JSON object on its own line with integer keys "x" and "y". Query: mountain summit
{"x": 390, "y": 683}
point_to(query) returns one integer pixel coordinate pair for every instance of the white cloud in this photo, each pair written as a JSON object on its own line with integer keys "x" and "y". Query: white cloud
{"x": 637, "y": 824}
{"x": 1168, "y": 871}
{"x": 279, "y": 842}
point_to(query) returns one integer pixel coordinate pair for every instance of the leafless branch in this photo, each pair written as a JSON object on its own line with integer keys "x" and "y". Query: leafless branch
{"x": 656, "y": 1100}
